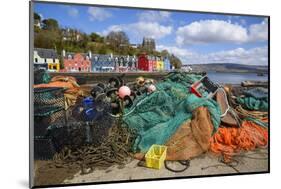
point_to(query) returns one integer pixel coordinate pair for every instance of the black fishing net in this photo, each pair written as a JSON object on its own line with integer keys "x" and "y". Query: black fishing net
{"x": 48, "y": 97}
{"x": 41, "y": 76}
{"x": 44, "y": 148}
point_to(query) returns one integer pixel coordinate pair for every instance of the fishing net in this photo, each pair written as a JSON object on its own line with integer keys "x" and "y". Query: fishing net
{"x": 48, "y": 109}
{"x": 155, "y": 117}
{"x": 230, "y": 141}
{"x": 114, "y": 149}
{"x": 254, "y": 99}
{"x": 252, "y": 103}
{"x": 41, "y": 76}
{"x": 46, "y": 117}
{"x": 68, "y": 84}
{"x": 48, "y": 97}
{"x": 44, "y": 148}
{"x": 192, "y": 138}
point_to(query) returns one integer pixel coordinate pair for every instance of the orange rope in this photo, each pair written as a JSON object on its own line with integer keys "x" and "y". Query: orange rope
{"x": 231, "y": 141}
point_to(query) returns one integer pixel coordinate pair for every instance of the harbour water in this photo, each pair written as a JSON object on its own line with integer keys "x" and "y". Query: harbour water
{"x": 235, "y": 78}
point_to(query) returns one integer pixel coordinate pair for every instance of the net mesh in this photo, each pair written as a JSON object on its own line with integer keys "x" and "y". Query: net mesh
{"x": 155, "y": 117}
{"x": 44, "y": 148}
{"x": 46, "y": 100}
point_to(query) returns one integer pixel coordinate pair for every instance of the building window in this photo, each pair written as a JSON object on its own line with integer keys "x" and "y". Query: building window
{"x": 54, "y": 67}
{"x": 45, "y": 60}
{"x": 54, "y": 60}
{"x": 36, "y": 59}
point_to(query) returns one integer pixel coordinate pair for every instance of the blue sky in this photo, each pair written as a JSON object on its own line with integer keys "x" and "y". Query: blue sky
{"x": 194, "y": 37}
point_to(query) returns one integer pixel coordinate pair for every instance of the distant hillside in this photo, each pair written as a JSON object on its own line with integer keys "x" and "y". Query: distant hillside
{"x": 227, "y": 67}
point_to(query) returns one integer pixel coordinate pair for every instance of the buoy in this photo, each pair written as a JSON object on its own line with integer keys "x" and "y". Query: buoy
{"x": 124, "y": 91}
{"x": 151, "y": 88}
{"x": 140, "y": 81}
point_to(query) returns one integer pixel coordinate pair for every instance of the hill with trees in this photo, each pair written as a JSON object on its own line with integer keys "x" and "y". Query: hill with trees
{"x": 51, "y": 36}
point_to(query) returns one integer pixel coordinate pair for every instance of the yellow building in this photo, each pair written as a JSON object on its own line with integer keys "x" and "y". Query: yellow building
{"x": 159, "y": 65}
{"x": 46, "y": 59}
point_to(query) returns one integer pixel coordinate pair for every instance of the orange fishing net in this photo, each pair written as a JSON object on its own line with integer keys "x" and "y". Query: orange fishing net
{"x": 231, "y": 141}
{"x": 61, "y": 81}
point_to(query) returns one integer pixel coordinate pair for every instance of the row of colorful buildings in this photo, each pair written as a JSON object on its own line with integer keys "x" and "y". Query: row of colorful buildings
{"x": 87, "y": 62}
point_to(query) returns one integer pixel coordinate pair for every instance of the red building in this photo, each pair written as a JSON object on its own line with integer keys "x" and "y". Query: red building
{"x": 77, "y": 62}
{"x": 145, "y": 63}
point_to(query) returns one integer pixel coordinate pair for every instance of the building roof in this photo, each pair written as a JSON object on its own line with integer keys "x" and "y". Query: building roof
{"x": 67, "y": 54}
{"x": 46, "y": 53}
{"x": 108, "y": 60}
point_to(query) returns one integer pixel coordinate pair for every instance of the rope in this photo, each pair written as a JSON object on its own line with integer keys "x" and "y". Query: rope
{"x": 229, "y": 142}
{"x": 114, "y": 150}
{"x": 186, "y": 163}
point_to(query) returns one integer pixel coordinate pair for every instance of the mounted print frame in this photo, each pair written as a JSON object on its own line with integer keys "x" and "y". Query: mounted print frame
{"x": 126, "y": 94}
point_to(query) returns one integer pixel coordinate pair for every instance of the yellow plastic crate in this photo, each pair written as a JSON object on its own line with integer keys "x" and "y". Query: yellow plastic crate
{"x": 156, "y": 156}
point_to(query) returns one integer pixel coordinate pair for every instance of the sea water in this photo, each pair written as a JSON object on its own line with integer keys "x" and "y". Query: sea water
{"x": 235, "y": 78}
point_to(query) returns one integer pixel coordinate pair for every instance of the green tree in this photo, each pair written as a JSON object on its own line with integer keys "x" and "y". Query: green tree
{"x": 37, "y": 16}
{"x": 96, "y": 37}
{"x": 50, "y": 24}
{"x": 164, "y": 53}
{"x": 175, "y": 61}
{"x": 117, "y": 39}
{"x": 47, "y": 39}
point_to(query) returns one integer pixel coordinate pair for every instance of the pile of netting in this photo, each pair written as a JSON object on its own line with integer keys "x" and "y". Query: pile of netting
{"x": 155, "y": 117}
{"x": 231, "y": 141}
{"x": 113, "y": 150}
{"x": 254, "y": 99}
{"x": 251, "y": 105}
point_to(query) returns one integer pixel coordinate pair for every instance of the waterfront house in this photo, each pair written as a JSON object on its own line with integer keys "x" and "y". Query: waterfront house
{"x": 159, "y": 64}
{"x": 167, "y": 64}
{"x": 103, "y": 63}
{"x": 146, "y": 63}
{"x": 108, "y": 63}
{"x": 76, "y": 62}
{"x": 46, "y": 59}
{"x": 126, "y": 63}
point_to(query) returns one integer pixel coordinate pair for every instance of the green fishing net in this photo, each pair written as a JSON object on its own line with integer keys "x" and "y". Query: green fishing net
{"x": 155, "y": 117}
{"x": 252, "y": 103}
{"x": 254, "y": 99}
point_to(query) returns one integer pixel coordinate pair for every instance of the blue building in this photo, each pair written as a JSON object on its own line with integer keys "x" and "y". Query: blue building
{"x": 103, "y": 63}
{"x": 108, "y": 63}
{"x": 167, "y": 64}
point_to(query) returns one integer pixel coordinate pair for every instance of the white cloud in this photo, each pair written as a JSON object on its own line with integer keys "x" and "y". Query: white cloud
{"x": 150, "y": 29}
{"x": 210, "y": 31}
{"x": 180, "y": 52}
{"x": 217, "y": 31}
{"x": 42, "y": 17}
{"x": 73, "y": 12}
{"x": 99, "y": 14}
{"x": 254, "y": 56}
{"x": 258, "y": 32}
{"x": 154, "y": 16}
{"x": 142, "y": 29}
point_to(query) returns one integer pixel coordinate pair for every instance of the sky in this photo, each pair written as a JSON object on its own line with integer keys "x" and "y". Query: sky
{"x": 196, "y": 38}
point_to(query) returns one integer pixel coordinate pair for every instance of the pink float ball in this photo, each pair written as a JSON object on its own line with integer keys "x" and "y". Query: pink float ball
{"x": 124, "y": 91}
{"x": 151, "y": 88}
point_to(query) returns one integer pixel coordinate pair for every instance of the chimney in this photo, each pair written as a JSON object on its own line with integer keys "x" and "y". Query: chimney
{"x": 63, "y": 53}
{"x": 90, "y": 54}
